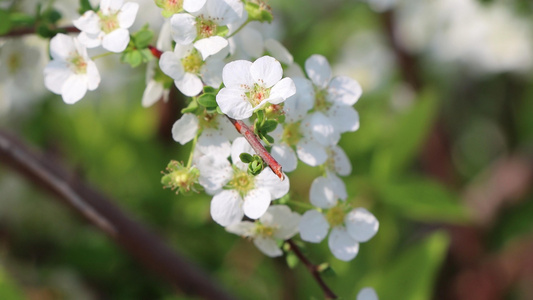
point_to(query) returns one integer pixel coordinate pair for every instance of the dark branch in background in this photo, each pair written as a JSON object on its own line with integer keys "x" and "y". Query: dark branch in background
{"x": 250, "y": 136}
{"x": 146, "y": 247}
{"x": 313, "y": 269}
{"x": 32, "y": 30}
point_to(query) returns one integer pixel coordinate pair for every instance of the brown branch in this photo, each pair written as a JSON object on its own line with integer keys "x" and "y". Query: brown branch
{"x": 146, "y": 247}
{"x": 32, "y": 30}
{"x": 313, "y": 269}
{"x": 250, "y": 136}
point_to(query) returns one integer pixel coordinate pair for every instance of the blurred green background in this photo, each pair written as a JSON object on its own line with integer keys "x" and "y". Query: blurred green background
{"x": 443, "y": 158}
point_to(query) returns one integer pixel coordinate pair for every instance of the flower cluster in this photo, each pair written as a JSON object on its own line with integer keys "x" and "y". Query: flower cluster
{"x": 214, "y": 52}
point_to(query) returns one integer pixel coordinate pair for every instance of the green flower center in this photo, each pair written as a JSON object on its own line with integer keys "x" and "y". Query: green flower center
{"x": 108, "y": 23}
{"x": 321, "y": 103}
{"x": 79, "y": 65}
{"x": 193, "y": 62}
{"x": 174, "y": 6}
{"x": 292, "y": 134}
{"x": 257, "y": 95}
{"x": 335, "y": 216}
{"x": 208, "y": 121}
{"x": 242, "y": 182}
{"x": 264, "y": 231}
{"x": 13, "y": 63}
{"x": 205, "y": 28}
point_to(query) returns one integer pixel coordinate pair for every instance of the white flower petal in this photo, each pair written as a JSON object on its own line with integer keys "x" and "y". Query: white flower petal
{"x": 322, "y": 129}
{"x": 224, "y": 11}
{"x": 296, "y": 106}
{"x": 211, "y": 72}
{"x": 266, "y": 71}
{"x": 268, "y": 246}
{"x": 367, "y": 293}
{"x": 127, "y": 14}
{"x": 74, "y": 88}
{"x": 110, "y": 6}
{"x": 342, "y": 245}
{"x": 233, "y": 102}
{"x": 61, "y": 46}
{"x": 283, "y": 219}
{"x": 337, "y": 185}
{"x": 88, "y": 22}
{"x": 117, "y": 40}
{"x": 183, "y": 28}
{"x": 244, "y": 228}
{"x": 210, "y": 46}
{"x": 281, "y": 91}
{"x": 152, "y": 93}
{"x": 193, "y": 6}
{"x": 311, "y": 152}
{"x": 250, "y": 41}
{"x": 313, "y": 226}
{"x": 212, "y": 142}
{"x": 226, "y": 207}
{"x": 215, "y": 172}
{"x": 361, "y": 224}
{"x": 256, "y": 203}
{"x": 344, "y": 90}
{"x": 93, "y": 76}
{"x": 56, "y": 74}
{"x": 321, "y": 194}
{"x": 240, "y": 145}
{"x": 285, "y": 156}
{"x": 91, "y": 40}
{"x": 236, "y": 74}
{"x": 277, "y": 50}
{"x": 185, "y": 129}
{"x": 343, "y": 166}
{"x": 318, "y": 70}
{"x": 189, "y": 84}
{"x": 344, "y": 118}
{"x": 271, "y": 181}
{"x": 171, "y": 65}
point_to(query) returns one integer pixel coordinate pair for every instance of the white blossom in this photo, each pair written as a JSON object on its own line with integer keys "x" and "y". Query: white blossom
{"x": 71, "y": 72}
{"x": 278, "y": 223}
{"x": 108, "y": 26}
{"x": 250, "y": 86}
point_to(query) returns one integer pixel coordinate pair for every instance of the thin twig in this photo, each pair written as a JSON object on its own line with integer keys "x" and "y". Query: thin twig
{"x": 32, "y": 30}
{"x": 250, "y": 136}
{"x": 313, "y": 269}
{"x": 146, "y": 247}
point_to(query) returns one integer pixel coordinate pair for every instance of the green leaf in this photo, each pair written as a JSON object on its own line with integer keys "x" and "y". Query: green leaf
{"x": 209, "y": 90}
{"x": 292, "y": 260}
{"x": 85, "y": 5}
{"x": 5, "y": 22}
{"x": 20, "y": 19}
{"x": 246, "y": 158}
{"x": 191, "y": 107}
{"x": 412, "y": 275}
{"x": 8, "y": 290}
{"x": 132, "y": 57}
{"x": 423, "y": 200}
{"x": 208, "y": 100}
{"x": 143, "y": 38}
{"x": 258, "y": 12}
{"x": 405, "y": 137}
{"x": 44, "y": 31}
{"x": 268, "y": 126}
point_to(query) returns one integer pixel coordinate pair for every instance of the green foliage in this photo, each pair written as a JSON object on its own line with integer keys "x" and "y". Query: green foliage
{"x": 85, "y": 5}
{"x": 8, "y": 290}
{"x": 263, "y": 126}
{"x": 412, "y": 274}
{"x": 5, "y": 22}
{"x": 137, "y": 52}
{"x": 423, "y": 200}
{"x": 403, "y": 140}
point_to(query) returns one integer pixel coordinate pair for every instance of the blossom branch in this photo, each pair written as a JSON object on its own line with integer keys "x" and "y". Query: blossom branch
{"x": 313, "y": 269}
{"x": 250, "y": 136}
{"x": 146, "y": 247}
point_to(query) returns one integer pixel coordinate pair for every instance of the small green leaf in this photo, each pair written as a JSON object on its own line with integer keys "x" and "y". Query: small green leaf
{"x": 143, "y": 38}
{"x": 19, "y": 19}
{"x": 132, "y": 57}
{"x": 191, "y": 107}
{"x": 85, "y": 5}
{"x": 258, "y": 12}
{"x": 269, "y": 125}
{"x": 209, "y": 90}
{"x": 5, "y": 22}
{"x": 246, "y": 158}
{"x": 267, "y": 138}
{"x": 208, "y": 100}
{"x": 292, "y": 260}
{"x": 44, "y": 31}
